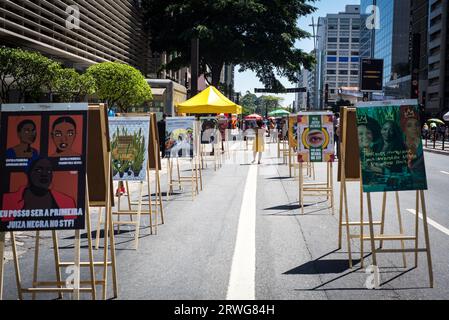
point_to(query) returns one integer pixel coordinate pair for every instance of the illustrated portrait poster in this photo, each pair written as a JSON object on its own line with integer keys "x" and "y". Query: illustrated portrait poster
{"x": 43, "y": 167}
{"x": 129, "y": 138}
{"x": 316, "y": 137}
{"x": 180, "y": 137}
{"x": 209, "y": 130}
{"x": 390, "y": 145}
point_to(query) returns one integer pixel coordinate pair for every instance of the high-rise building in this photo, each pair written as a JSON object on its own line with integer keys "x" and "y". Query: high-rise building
{"x": 438, "y": 60}
{"x": 77, "y": 33}
{"x": 419, "y": 30}
{"x": 306, "y": 100}
{"x": 391, "y": 43}
{"x": 338, "y": 52}
{"x": 367, "y": 28}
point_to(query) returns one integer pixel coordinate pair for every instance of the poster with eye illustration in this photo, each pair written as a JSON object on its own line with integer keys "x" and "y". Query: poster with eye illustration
{"x": 316, "y": 137}
{"x": 129, "y": 138}
{"x": 43, "y": 167}
{"x": 390, "y": 144}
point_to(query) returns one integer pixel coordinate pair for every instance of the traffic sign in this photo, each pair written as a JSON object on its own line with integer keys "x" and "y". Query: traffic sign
{"x": 287, "y": 90}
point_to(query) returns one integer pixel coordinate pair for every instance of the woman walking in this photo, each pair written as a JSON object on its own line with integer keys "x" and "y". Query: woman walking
{"x": 259, "y": 142}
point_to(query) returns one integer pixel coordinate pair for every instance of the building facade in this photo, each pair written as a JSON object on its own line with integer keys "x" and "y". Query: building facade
{"x": 77, "y": 33}
{"x": 419, "y": 27}
{"x": 391, "y": 44}
{"x": 438, "y": 60}
{"x": 339, "y": 55}
{"x": 367, "y": 28}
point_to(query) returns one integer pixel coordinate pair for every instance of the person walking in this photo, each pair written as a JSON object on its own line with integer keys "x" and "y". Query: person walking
{"x": 259, "y": 142}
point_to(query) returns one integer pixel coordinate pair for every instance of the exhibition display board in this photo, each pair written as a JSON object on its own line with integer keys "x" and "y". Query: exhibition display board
{"x": 43, "y": 147}
{"x": 392, "y": 160}
{"x": 315, "y": 144}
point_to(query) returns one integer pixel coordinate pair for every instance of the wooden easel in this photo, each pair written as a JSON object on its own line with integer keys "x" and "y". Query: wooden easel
{"x": 196, "y": 178}
{"x": 193, "y": 178}
{"x": 97, "y": 136}
{"x": 57, "y": 286}
{"x": 317, "y": 189}
{"x": 349, "y": 171}
{"x": 102, "y": 197}
{"x": 153, "y": 162}
{"x": 420, "y": 204}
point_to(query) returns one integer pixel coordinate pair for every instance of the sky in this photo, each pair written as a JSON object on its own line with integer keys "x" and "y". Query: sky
{"x": 247, "y": 81}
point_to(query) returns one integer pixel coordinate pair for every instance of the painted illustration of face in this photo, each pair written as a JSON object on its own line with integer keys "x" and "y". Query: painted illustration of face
{"x": 27, "y": 134}
{"x": 412, "y": 128}
{"x": 388, "y": 132}
{"x": 365, "y": 137}
{"x": 316, "y": 139}
{"x": 63, "y": 136}
{"x": 41, "y": 175}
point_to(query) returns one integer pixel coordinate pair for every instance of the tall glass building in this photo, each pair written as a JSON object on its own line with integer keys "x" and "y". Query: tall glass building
{"x": 366, "y": 34}
{"x": 391, "y": 40}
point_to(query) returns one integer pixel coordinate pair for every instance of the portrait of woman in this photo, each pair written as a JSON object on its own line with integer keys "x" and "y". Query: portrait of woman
{"x": 38, "y": 193}
{"x": 411, "y": 127}
{"x": 370, "y": 142}
{"x": 26, "y": 132}
{"x": 63, "y": 134}
{"x": 391, "y": 137}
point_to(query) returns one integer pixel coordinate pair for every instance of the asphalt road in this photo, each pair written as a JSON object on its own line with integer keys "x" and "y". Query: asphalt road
{"x": 244, "y": 237}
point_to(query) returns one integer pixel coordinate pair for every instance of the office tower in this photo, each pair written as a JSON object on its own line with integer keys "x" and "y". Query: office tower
{"x": 438, "y": 72}
{"x": 338, "y": 53}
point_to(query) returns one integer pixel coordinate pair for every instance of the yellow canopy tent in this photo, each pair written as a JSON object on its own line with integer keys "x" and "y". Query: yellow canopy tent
{"x": 209, "y": 101}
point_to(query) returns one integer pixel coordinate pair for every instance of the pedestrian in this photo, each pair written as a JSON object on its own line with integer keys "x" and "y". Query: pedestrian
{"x": 425, "y": 131}
{"x": 259, "y": 142}
{"x": 337, "y": 132}
{"x": 161, "y": 127}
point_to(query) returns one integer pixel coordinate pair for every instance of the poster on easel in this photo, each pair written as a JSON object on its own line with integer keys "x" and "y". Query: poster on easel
{"x": 43, "y": 167}
{"x": 129, "y": 138}
{"x": 180, "y": 137}
{"x": 390, "y": 144}
{"x": 316, "y": 137}
{"x": 209, "y": 130}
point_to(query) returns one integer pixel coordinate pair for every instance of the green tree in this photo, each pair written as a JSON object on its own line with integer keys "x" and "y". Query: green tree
{"x": 70, "y": 86}
{"x": 120, "y": 85}
{"x": 257, "y": 35}
{"x": 25, "y": 71}
{"x": 249, "y": 103}
{"x": 266, "y": 104}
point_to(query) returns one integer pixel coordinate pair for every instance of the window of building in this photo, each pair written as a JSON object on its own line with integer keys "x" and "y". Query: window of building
{"x": 344, "y": 40}
{"x": 342, "y": 72}
{"x": 332, "y": 39}
{"x": 331, "y": 71}
{"x": 343, "y": 59}
{"x": 332, "y": 53}
{"x": 331, "y": 59}
{"x": 355, "y": 72}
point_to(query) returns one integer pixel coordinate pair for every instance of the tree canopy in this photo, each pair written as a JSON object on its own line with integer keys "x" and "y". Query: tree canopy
{"x": 27, "y": 72}
{"x": 68, "y": 85}
{"x": 257, "y": 35}
{"x": 261, "y": 105}
{"x": 120, "y": 85}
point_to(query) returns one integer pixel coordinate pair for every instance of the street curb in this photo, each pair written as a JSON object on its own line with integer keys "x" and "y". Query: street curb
{"x": 444, "y": 153}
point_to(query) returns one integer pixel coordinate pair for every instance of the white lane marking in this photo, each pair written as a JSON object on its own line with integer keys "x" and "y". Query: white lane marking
{"x": 434, "y": 224}
{"x": 445, "y": 172}
{"x": 243, "y": 270}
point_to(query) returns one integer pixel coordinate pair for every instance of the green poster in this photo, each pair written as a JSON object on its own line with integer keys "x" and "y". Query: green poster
{"x": 391, "y": 151}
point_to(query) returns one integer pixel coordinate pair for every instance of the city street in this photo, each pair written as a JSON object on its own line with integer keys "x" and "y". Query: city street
{"x": 244, "y": 237}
